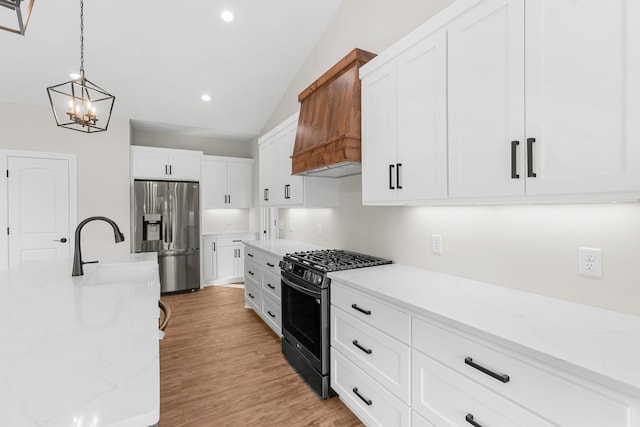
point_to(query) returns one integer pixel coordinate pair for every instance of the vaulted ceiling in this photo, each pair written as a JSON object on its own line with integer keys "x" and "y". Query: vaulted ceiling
{"x": 159, "y": 56}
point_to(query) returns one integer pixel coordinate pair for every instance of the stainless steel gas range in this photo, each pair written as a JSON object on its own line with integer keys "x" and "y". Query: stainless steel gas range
{"x": 305, "y": 310}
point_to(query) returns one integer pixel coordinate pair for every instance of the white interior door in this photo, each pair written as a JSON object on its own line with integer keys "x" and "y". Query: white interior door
{"x": 38, "y": 194}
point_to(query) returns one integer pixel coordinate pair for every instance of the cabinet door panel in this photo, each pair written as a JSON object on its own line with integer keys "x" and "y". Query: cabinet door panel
{"x": 379, "y": 139}
{"x": 185, "y": 167}
{"x": 581, "y": 90}
{"x": 267, "y": 172}
{"x": 209, "y": 255}
{"x": 486, "y": 99}
{"x": 213, "y": 184}
{"x": 226, "y": 261}
{"x": 422, "y": 120}
{"x": 150, "y": 165}
{"x": 239, "y": 184}
{"x": 290, "y": 188}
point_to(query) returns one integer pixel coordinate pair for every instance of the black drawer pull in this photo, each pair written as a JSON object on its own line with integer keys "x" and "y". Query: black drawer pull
{"x": 530, "y": 172}
{"x": 271, "y": 314}
{"x": 366, "y": 350}
{"x": 271, "y": 286}
{"x": 391, "y": 187}
{"x": 514, "y": 160}
{"x": 270, "y": 265}
{"x": 469, "y": 419}
{"x": 249, "y": 255}
{"x": 367, "y": 401}
{"x": 500, "y": 377}
{"x": 251, "y": 295}
{"x": 250, "y": 272}
{"x": 361, "y": 310}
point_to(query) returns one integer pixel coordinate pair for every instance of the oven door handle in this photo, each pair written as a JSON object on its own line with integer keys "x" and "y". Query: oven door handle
{"x": 300, "y": 288}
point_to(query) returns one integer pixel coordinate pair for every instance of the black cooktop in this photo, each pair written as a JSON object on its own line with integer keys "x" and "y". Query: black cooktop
{"x": 336, "y": 259}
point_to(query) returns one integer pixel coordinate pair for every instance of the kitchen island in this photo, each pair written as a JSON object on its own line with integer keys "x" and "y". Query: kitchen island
{"x": 80, "y": 351}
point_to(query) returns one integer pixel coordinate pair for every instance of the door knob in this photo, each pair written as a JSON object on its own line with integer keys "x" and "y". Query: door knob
{"x": 63, "y": 240}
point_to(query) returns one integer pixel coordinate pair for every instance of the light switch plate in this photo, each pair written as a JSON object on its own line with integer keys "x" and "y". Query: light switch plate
{"x": 436, "y": 244}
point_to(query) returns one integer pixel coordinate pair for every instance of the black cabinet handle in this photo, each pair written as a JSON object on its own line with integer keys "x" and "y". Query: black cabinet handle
{"x": 270, "y": 265}
{"x": 500, "y": 377}
{"x": 170, "y": 173}
{"x": 361, "y": 310}
{"x": 266, "y": 194}
{"x": 271, "y": 314}
{"x": 530, "y": 172}
{"x": 391, "y": 187}
{"x": 287, "y": 191}
{"x": 229, "y": 198}
{"x": 250, "y": 272}
{"x": 270, "y": 286}
{"x": 251, "y": 295}
{"x": 166, "y": 169}
{"x": 469, "y": 419}
{"x": 366, "y": 350}
{"x": 514, "y": 167}
{"x": 365, "y": 400}
{"x": 398, "y": 176}
{"x": 249, "y": 255}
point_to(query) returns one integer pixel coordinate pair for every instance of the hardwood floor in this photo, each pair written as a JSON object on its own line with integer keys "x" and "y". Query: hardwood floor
{"x": 220, "y": 365}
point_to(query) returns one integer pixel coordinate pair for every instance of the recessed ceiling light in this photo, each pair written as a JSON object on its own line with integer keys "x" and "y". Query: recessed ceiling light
{"x": 227, "y": 15}
{"x": 206, "y": 98}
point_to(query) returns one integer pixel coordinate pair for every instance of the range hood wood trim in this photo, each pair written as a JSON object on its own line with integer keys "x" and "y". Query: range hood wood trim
{"x": 329, "y": 124}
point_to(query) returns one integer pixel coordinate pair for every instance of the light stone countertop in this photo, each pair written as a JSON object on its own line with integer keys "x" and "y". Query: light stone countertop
{"x": 80, "y": 351}
{"x": 599, "y": 344}
{"x": 282, "y": 247}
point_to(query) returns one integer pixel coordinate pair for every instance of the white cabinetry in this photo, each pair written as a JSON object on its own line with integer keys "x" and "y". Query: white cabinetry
{"x": 223, "y": 258}
{"x": 226, "y": 182}
{"x": 370, "y": 354}
{"x": 404, "y": 126}
{"x": 541, "y": 102}
{"x": 277, "y": 186}
{"x": 165, "y": 163}
{"x": 413, "y": 346}
{"x": 262, "y": 273}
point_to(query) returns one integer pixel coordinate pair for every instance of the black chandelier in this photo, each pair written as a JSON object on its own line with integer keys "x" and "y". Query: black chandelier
{"x": 22, "y": 16}
{"x": 79, "y": 104}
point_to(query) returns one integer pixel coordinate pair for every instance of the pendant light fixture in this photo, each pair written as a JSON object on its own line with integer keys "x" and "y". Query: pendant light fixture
{"x": 79, "y": 104}
{"x": 21, "y": 15}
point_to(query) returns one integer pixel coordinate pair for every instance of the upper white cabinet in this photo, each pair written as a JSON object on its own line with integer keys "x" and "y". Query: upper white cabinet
{"x": 165, "y": 163}
{"x": 540, "y": 97}
{"x": 277, "y": 186}
{"x": 486, "y": 100}
{"x": 226, "y": 182}
{"x": 583, "y": 95}
{"x": 562, "y": 125}
{"x": 404, "y": 148}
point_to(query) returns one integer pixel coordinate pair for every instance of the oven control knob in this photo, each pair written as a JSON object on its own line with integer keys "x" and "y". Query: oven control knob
{"x": 317, "y": 279}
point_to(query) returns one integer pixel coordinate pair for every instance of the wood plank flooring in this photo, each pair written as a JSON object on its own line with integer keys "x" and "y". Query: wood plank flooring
{"x": 220, "y": 365}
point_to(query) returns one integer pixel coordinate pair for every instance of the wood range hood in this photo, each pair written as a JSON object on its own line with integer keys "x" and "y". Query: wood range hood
{"x": 328, "y": 135}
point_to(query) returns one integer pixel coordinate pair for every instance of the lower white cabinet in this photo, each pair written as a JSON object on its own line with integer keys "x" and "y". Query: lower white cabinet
{"x": 373, "y": 404}
{"x": 223, "y": 258}
{"x": 396, "y": 366}
{"x": 262, "y": 273}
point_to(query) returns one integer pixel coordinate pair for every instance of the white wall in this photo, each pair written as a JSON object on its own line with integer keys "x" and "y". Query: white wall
{"x": 532, "y": 247}
{"x": 103, "y": 168}
{"x": 211, "y": 146}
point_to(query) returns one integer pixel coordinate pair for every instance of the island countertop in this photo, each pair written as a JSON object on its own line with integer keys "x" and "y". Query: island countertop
{"x": 80, "y": 351}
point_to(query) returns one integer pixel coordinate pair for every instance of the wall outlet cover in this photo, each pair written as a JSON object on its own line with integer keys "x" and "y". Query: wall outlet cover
{"x": 590, "y": 261}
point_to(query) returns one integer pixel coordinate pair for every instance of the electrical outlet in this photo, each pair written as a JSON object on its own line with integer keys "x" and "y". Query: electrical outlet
{"x": 436, "y": 244}
{"x": 590, "y": 261}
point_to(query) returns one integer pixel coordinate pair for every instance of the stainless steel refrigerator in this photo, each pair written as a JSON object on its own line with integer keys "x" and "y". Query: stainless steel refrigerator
{"x": 167, "y": 221}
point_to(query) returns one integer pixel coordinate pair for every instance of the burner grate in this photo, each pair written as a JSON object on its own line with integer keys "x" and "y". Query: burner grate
{"x": 335, "y": 259}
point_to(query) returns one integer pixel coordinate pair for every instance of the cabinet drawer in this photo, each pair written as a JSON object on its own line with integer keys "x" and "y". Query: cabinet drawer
{"x": 252, "y": 272}
{"x": 446, "y": 398}
{"x": 382, "y": 409}
{"x": 271, "y": 284}
{"x": 544, "y": 390}
{"x": 252, "y": 296}
{"x": 271, "y": 313}
{"x": 380, "y": 356}
{"x": 372, "y": 311}
{"x": 234, "y": 240}
{"x": 271, "y": 263}
{"x": 252, "y": 254}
